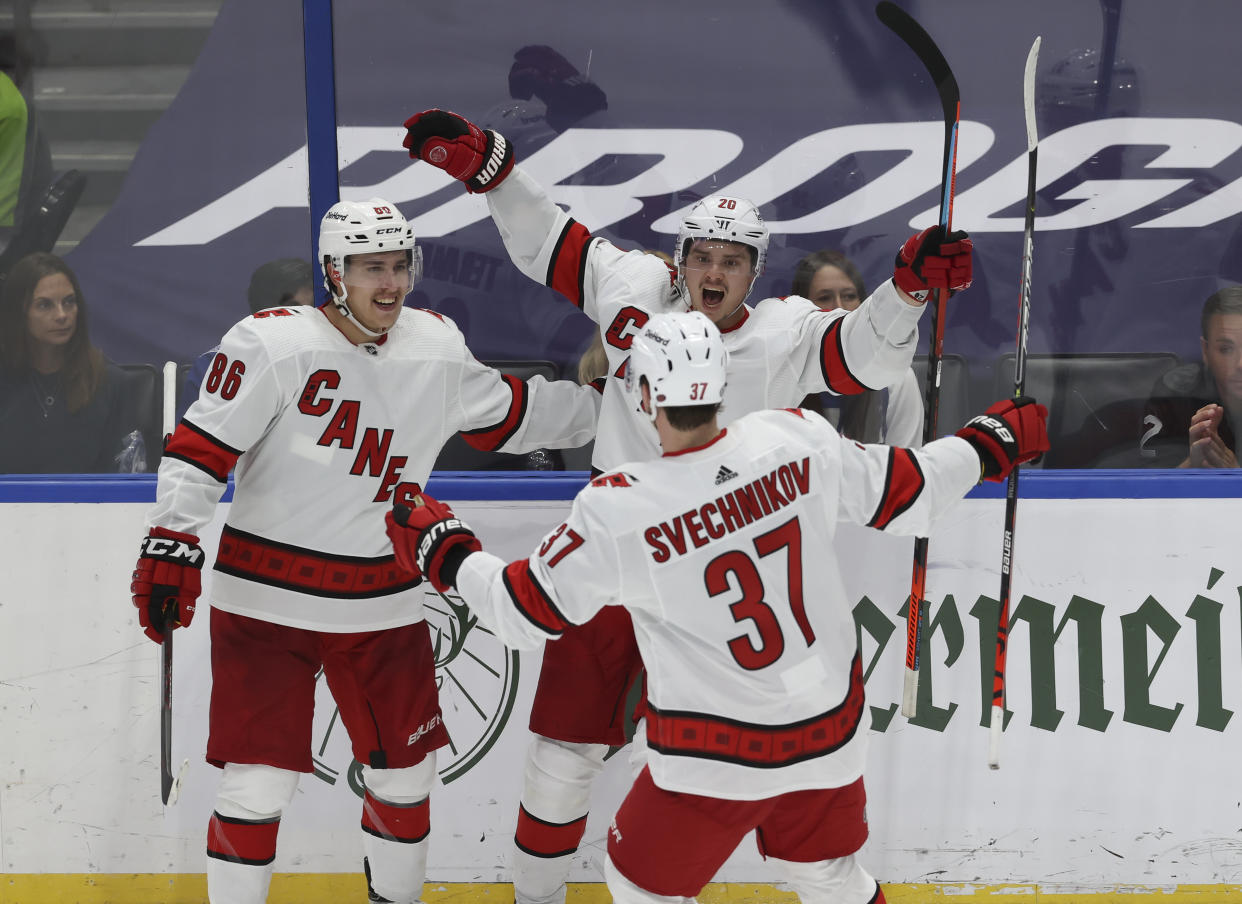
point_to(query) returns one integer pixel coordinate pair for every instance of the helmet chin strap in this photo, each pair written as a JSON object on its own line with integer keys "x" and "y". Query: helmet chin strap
{"x": 343, "y": 307}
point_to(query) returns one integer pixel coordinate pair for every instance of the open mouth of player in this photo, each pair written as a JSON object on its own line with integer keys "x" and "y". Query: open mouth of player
{"x": 387, "y": 305}
{"x": 713, "y": 298}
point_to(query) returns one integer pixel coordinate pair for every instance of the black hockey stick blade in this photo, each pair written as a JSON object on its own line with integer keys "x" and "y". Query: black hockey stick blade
{"x": 910, "y": 31}
{"x": 166, "y": 674}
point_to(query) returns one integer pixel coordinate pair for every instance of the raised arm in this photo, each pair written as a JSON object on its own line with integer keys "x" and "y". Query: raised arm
{"x": 904, "y": 491}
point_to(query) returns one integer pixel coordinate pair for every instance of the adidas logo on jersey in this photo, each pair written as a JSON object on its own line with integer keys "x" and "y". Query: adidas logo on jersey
{"x": 724, "y": 474}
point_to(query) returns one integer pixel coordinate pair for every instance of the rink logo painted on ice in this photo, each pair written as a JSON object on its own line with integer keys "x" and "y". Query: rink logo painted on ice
{"x": 1159, "y": 661}
{"x": 477, "y": 679}
{"x": 1174, "y": 148}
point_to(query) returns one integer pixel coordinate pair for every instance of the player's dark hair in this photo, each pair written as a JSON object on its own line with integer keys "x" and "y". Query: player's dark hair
{"x": 1227, "y": 301}
{"x": 690, "y": 417}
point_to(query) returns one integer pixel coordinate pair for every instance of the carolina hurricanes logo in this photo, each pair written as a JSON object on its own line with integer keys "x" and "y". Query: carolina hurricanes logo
{"x": 438, "y": 155}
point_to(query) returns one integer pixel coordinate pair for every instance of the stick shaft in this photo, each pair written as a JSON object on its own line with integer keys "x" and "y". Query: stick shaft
{"x": 1019, "y": 388}
{"x": 950, "y": 101}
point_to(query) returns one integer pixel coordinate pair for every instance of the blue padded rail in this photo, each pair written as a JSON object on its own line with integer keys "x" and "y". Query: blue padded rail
{"x": 553, "y": 485}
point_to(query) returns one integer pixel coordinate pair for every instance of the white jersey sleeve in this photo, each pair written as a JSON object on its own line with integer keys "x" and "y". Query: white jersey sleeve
{"x": 552, "y": 248}
{"x": 242, "y": 394}
{"x": 503, "y": 413}
{"x": 903, "y": 420}
{"x": 573, "y": 573}
{"x": 903, "y": 491}
{"x": 846, "y": 352}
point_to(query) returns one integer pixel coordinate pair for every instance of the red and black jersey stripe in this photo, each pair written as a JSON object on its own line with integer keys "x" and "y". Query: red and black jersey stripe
{"x": 531, "y": 599}
{"x": 489, "y": 439}
{"x": 837, "y": 373}
{"x": 567, "y": 268}
{"x": 195, "y": 446}
{"x": 902, "y": 484}
{"x": 290, "y": 567}
{"x": 711, "y": 737}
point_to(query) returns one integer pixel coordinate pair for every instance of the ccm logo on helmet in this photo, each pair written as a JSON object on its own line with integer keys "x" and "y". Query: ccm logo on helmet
{"x": 388, "y": 230}
{"x": 171, "y": 550}
{"x": 493, "y": 162}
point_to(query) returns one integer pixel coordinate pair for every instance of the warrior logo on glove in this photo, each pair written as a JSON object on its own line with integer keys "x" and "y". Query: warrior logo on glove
{"x": 480, "y": 158}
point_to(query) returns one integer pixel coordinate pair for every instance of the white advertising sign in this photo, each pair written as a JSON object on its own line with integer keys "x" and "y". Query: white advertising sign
{"x": 1118, "y": 764}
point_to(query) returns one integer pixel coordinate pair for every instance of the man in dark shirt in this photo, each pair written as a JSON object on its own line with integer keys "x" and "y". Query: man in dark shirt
{"x": 1195, "y": 410}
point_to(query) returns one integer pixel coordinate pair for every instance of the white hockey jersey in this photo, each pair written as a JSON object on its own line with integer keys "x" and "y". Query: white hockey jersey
{"x": 723, "y": 555}
{"x": 783, "y": 350}
{"x": 325, "y": 435}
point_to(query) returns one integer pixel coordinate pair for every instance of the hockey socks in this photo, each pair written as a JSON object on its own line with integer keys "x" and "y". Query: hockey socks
{"x": 239, "y": 858}
{"x": 541, "y": 861}
{"x": 394, "y": 841}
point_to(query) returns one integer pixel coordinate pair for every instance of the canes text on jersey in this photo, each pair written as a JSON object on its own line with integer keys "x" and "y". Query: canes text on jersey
{"x": 729, "y": 512}
{"x": 372, "y": 459}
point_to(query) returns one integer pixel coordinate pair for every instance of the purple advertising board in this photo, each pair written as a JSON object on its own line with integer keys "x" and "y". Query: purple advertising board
{"x": 628, "y": 113}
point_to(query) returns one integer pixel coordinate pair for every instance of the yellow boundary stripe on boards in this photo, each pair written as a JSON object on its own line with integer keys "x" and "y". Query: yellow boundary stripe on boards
{"x": 331, "y": 888}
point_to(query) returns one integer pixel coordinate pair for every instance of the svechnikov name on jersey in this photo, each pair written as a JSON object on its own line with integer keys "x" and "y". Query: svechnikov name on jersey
{"x": 726, "y": 513}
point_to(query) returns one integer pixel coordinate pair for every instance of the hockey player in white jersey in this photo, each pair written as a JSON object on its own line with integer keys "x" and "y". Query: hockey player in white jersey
{"x": 781, "y": 350}
{"x": 327, "y": 415}
{"x": 722, "y": 551}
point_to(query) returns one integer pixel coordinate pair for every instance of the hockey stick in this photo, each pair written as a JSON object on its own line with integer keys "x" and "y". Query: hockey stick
{"x": 946, "y": 86}
{"x": 1019, "y": 389}
{"x": 170, "y": 785}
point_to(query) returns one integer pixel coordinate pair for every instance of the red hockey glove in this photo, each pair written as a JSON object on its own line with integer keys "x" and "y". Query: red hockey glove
{"x": 166, "y": 580}
{"x": 1009, "y": 433}
{"x": 927, "y": 261}
{"x": 431, "y": 539}
{"x": 480, "y": 158}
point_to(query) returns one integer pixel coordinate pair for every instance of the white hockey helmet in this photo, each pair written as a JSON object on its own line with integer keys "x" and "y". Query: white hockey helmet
{"x": 364, "y": 227}
{"x": 725, "y": 219}
{"x": 683, "y": 358}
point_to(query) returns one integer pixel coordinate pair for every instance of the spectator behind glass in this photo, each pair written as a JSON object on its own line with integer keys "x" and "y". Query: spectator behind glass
{"x": 60, "y": 400}
{"x": 279, "y": 283}
{"x": 1195, "y": 410}
{"x": 893, "y": 415}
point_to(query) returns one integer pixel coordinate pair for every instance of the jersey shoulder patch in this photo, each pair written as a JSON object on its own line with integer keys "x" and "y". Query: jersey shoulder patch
{"x": 615, "y": 479}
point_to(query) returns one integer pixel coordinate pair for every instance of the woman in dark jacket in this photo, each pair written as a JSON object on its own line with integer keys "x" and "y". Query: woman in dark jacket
{"x": 61, "y": 405}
